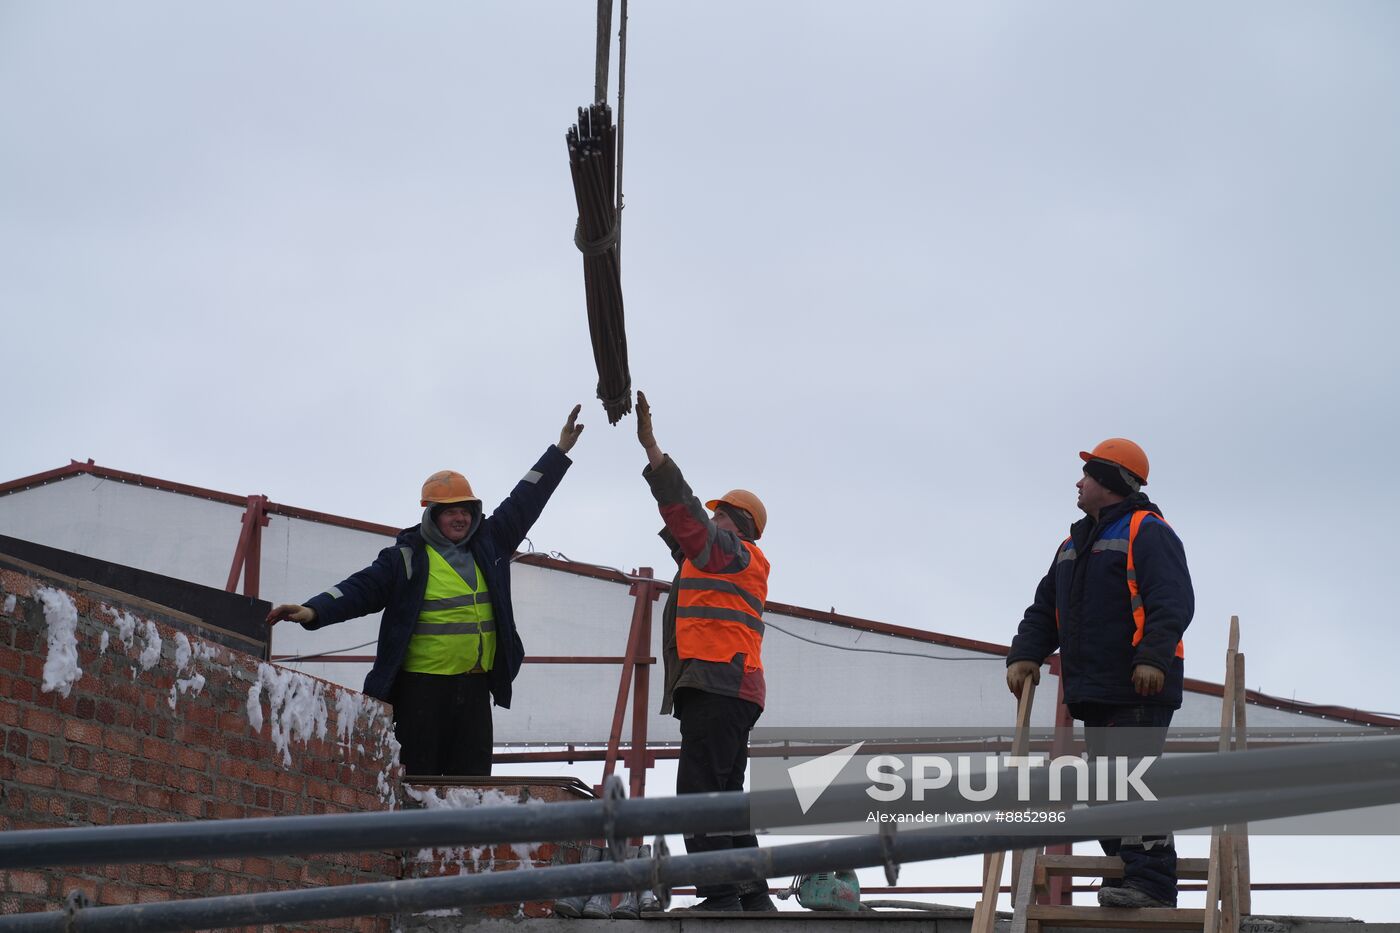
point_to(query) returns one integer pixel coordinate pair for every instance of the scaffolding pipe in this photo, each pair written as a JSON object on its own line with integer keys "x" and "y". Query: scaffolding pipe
{"x": 889, "y": 849}
{"x": 618, "y": 819}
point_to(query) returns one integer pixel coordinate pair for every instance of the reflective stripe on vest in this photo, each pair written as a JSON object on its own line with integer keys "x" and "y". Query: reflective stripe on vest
{"x": 719, "y": 615}
{"x": 1140, "y": 611}
{"x": 456, "y": 629}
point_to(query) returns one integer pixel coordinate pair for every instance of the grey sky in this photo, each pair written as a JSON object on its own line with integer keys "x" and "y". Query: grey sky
{"x": 890, "y": 265}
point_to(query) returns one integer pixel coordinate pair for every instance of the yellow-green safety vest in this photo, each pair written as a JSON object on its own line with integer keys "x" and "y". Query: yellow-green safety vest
{"x": 456, "y": 630}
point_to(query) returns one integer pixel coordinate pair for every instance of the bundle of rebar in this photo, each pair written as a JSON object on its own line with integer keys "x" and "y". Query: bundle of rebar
{"x": 592, "y": 162}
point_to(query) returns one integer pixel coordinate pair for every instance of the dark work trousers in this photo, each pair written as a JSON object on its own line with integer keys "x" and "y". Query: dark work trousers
{"x": 714, "y": 756}
{"x": 1149, "y": 862}
{"x": 443, "y": 723}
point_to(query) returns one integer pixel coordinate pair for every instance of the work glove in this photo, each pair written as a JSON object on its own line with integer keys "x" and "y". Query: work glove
{"x": 571, "y": 431}
{"x": 1148, "y": 680}
{"x": 1017, "y": 672}
{"x": 644, "y": 433}
{"x": 299, "y": 614}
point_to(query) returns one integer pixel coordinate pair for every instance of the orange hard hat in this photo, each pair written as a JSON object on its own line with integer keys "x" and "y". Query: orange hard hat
{"x": 1121, "y": 452}
{"x": 447, "y": 486}
{"x": 743, "y": 499}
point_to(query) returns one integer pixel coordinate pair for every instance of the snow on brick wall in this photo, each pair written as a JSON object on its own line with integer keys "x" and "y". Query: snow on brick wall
{"x": 109, "y": 715}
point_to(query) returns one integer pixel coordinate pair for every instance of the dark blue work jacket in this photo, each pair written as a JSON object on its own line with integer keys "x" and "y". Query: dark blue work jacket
{"x": 1084, "y": 608}
{"x": 397, "y": 579}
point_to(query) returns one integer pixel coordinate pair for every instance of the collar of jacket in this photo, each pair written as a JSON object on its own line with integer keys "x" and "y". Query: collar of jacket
{"x": 1086, "y": 529}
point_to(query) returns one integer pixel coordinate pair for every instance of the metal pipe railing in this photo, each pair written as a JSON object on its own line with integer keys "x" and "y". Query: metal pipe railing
{"x": 616, "y": 819}
{"x": 889, "y": 849}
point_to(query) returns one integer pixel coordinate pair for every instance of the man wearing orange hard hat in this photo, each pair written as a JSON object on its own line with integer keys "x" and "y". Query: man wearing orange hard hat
{"x": 1115, "y": 602}
{"x": 712, "y": 644}
{"x": 447, "y": 640}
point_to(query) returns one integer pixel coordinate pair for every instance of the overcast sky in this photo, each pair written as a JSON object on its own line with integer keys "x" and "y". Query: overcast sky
{"x": 889, "y": 265}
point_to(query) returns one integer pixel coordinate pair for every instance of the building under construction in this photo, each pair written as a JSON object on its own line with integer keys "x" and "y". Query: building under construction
{"x": 142, "y": 691}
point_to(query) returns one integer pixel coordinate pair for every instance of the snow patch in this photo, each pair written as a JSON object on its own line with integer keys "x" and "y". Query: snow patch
{"x": 126, "y": 625}
{"x": 461, "y": 798}
{"x": 150, "y": 657}
{"x": 102, "y": 643}
{"x": 61, "y": 668}
{"x": 348, "y": 706}
{"x": 183, "y": 655}
{"x": 9, "y": 604}
{"x": 255, "y": 717}
{"x": 296, "y": 707}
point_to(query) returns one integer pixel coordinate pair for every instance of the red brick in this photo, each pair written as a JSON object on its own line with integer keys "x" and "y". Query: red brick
{"x": 156, "y": 750}
{"x": 155, "y": 798}
{"x": 42, "y": 722}
{"x": 197, "y": 784}
{"x": 86, "y": 708}
{"x": 39, "y": 750}
{"x": 17, "y": 744}
{"x": 79, "y": 783}
{"x": 123, "y": 742}
{"x": 193, "y": 759}
{"x": 118, "y": 766}
{"x": 38, "y": 775}
{"x": 25, "y": 691}
{"x": 32, "y": 666}
{"x": 88, "y": 733}
{"x": 115, "y": 894}
{"x": 26, "y": 882}
{"x": 87, "y": 885}
{"x": 111, "y": 789}
{"x": 192, "y": 806}
{"x": 80, "y": 758}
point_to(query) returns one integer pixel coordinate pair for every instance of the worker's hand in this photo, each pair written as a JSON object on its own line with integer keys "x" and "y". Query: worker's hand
{"x": 571, "y": 431}
{"x": 1148, "y": 680}
{"x": 644, "y": 433}
{"x": 301, "y": 614}
{"x": 1017, "y": 673}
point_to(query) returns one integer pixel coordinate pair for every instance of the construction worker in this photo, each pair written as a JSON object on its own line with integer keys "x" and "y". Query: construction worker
{"x": 1115, "y": 602}
{"x": 447, "y": 640}
{"x": 712, "y": 645}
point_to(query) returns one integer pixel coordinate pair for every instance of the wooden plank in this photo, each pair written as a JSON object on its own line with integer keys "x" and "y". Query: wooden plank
{"x": 984, "y": 916}
{"x": 1118, "y": 918}
{"x": 1110, "y": 866}
{"x": 1023, "y": 889}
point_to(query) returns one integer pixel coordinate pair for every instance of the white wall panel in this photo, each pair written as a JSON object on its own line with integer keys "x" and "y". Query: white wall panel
{"x": 818, "y": 674}
{"x": 176, "y": 535}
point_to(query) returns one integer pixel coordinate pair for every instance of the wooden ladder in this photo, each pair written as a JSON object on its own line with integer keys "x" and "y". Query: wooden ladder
{"x": 1226, "y": 871}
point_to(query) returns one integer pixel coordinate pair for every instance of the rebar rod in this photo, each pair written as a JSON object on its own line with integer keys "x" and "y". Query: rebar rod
{"x": 1314, "y": 767}
{"x": 735, "y": 865}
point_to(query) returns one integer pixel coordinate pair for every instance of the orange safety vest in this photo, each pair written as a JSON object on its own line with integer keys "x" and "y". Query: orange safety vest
{"x": 719, "y": 615}
{"x": 1139, "y": 612}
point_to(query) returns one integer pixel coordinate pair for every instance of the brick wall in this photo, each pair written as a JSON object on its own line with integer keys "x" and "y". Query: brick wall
{"x": 433, "y": 863}
{"x": 109, "y": 714}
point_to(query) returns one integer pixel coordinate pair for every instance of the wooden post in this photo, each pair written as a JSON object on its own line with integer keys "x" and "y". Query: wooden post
{"x": 1227, "y": 718}
{"x": 1241, "y": 829}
